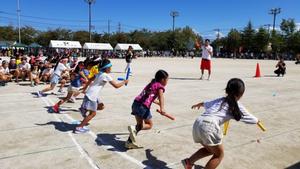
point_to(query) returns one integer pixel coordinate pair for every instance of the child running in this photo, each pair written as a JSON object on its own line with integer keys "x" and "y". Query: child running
{"x": 59, "y": 68}
{"x": 74, "y": 87}
{"x": 91, "y": 101}
{"x": 206, "y": 129}
{"x": 142, "y": 103}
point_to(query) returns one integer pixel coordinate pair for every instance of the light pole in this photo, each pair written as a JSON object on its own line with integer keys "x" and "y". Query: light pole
{"x": 18, "y": 12}
{"x": 90, "y": 2}
{"x": 274, "y": 12}
{"x": 174, "y": 14}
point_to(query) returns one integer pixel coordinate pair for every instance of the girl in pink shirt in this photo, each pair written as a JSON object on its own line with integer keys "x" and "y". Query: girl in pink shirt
{"x": 142, "y": 103}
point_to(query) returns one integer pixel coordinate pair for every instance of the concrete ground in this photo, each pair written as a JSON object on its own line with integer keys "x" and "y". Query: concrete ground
{"x": 32, "y": 138}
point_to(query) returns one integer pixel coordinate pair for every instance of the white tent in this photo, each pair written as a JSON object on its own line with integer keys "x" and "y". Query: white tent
{"x": 64, "y": 44}
{"x": 98, "y": 46}
{"x": 124, "y": 46}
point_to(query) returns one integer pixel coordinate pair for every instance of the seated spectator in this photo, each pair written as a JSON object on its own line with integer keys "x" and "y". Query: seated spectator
{"x": 34, "y": 76}
{"x": 280, "y": 67}
{"x": 4, "y": 70}
{"x": 13, "y": 69}
{"x": 46, "y": 73}
{"x": 24, "y": 69}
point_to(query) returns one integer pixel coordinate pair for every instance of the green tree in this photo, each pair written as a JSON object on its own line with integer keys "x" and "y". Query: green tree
{"x": 29, "y": 34}
{"x": 248, "y": 35}
{"x": 233, "y": 41}
{"x": 288, "y": 27}
{"x": 8, "y": 33}
{"x": 261, "y": 40}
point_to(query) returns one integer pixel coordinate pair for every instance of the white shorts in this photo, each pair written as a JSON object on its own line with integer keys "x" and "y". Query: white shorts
{"x": 207, "y": 131}
{"x": 73, "y": 89}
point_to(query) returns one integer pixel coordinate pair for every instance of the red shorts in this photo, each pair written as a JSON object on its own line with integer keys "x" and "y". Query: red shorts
{"x": 205, "y": 64}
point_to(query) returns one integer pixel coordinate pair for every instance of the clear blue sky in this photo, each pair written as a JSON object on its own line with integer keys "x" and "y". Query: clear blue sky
{"x": 202, "y": 16}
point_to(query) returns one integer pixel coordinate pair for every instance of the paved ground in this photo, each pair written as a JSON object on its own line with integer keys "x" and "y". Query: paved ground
{"x": 30, "y": 137}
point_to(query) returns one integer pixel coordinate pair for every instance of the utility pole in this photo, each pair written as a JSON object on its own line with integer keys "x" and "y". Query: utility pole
{"x": 19, "y": 22}
{"x": 274, "y": 12}
{"x": 90, "y": 2}
{"x": 174, "y": 14}
{"x": 119, "y": 27}
{"x": 108, "y": 27}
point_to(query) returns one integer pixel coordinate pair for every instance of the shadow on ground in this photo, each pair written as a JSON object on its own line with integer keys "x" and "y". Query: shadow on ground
{"x": 294, "y": 166}
{"x": 183, "y": 78}
{"x": 60, "y": 126}
{"x": 154, "y": 162}
{"x": 112, "y": 140}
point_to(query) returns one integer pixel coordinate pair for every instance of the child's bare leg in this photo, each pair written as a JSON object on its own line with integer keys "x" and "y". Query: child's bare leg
{"x": 87, "y": 119}
{"x": 51, "y": 87}
{"x": 69, "y": 95}
{"x": 201, "y": 153}
{"x": 148, "y": 124}
{"x": 62, "y": 84}
{"x": 218, "y": 154}
{"x": 139, "y": 124}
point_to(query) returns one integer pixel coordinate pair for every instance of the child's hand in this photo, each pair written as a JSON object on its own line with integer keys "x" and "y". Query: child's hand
{"x": 197, "y": 106}
{"x": 162, "y": 111}
{"x": 126, "y": 81}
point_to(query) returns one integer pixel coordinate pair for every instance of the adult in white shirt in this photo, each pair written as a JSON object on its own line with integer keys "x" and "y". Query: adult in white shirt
{"x": 207, "y": 52}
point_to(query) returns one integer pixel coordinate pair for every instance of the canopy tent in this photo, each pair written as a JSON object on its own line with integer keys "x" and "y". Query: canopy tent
{"x": 124, "y": 46}
{"x": 35, "y": 45}
{"x": 98, "y": 46}
{"x": 64, "y": 44}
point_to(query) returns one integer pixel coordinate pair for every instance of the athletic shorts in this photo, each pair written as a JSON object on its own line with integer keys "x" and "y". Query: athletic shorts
{"x": 205, "y": 64}
{"x": 140, "y": 110}
{"x": 207, "y": 131}
{"x": 54, "y": 79}
{"x": 90, "y": 105}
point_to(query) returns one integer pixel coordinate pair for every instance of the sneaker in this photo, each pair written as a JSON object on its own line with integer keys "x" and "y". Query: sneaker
{"x": 132, "y": 133}
{"x": 40, "y": 94}
{"x": 186, "y": 163}
{"x": 79, "y": 130}
{"x": 55, "y": 108}
{"x": 82, "y": 112}
{"x": 130, "y": 145}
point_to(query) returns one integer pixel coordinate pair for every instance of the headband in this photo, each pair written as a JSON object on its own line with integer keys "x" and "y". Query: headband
{"x": 106, "y": 66}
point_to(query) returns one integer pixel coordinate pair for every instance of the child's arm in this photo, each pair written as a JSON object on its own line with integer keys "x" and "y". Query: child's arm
{"x": 198, "y": 105}
{"x": 247, "y": 117}
{"x": 156, "y": 102}
{"x": 87, "y": 84}
{"x": 118, "y": 85}
{"x": 83, "y": 75}
{"x": 161, "y": 101}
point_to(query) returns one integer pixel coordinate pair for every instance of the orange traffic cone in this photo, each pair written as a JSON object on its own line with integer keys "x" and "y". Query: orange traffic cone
{"x": 257, "y": 73}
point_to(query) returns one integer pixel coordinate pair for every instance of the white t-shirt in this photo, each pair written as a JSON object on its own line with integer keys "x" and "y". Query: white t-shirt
{"x": 60, "y": 67}
{"x": 50, "y": 71}
{"x": 25, "y": 66}
{"x": 213, "y": 109}
{"x": 205, "y": 53}
{"x": 95, "y": 88}
{"x": 4, "y": 70}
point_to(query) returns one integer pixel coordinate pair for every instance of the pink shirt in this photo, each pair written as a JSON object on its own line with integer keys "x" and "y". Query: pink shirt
{"x": 148, "y": 98}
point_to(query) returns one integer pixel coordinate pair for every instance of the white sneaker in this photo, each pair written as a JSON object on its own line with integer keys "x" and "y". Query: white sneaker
{"x": 132, "y": 133}
{"x": 131, "y": 145}
{"x": 79, "y": 130}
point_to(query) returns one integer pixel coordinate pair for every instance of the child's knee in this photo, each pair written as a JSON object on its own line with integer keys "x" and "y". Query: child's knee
{"x": 92, "y": 114}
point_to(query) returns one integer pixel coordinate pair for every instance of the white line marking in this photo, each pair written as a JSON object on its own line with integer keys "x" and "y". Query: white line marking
{"x": 79, "y": 148}
{"x": 107, "y": 146}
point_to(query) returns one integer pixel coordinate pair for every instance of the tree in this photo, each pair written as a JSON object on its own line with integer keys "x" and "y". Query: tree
{"x": 261, "y": 40}
{"x": 233, "y": 40}
{"x": 81, "y": 36}
{"x": 277, "y": 42}
{"x": 248, "y": 37}
{"x": 288, "y": 27}
{"x": 29, "y": 34}
{"x": 8, "y": 33}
